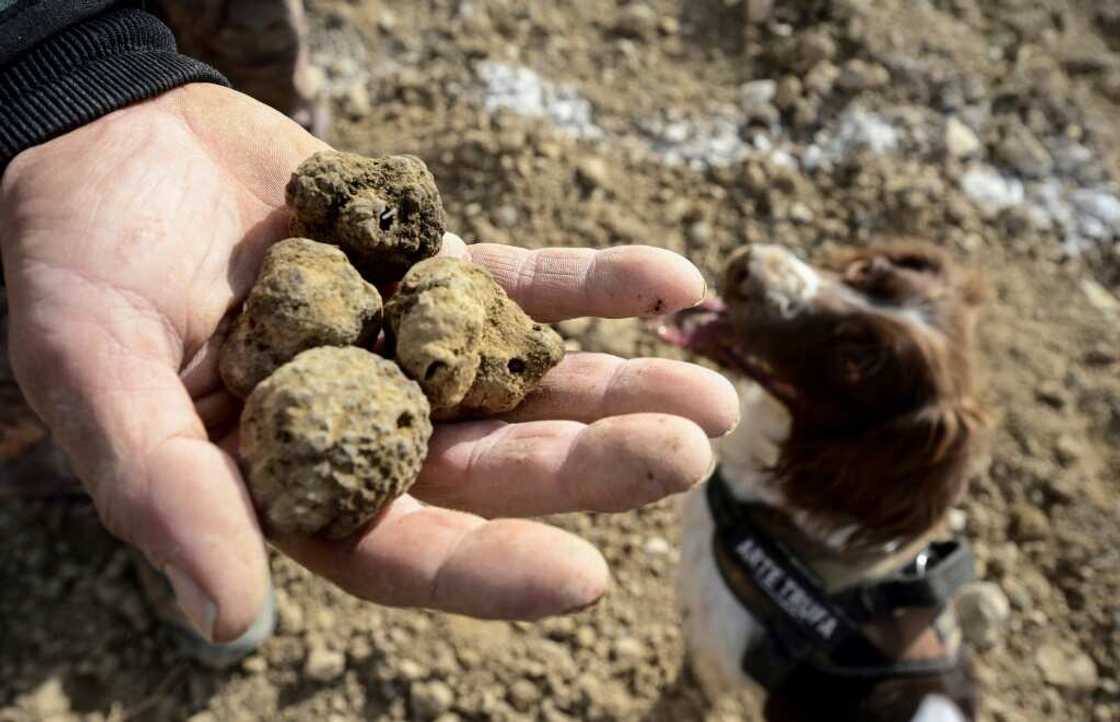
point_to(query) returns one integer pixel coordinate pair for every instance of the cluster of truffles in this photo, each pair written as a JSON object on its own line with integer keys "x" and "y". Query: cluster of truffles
{"x": 331, "y": 431}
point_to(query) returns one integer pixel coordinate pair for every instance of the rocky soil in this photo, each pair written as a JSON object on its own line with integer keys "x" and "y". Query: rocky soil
{"x": 986, "y": 126}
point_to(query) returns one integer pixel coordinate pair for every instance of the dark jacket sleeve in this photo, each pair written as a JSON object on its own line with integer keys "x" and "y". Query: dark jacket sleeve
{"x": 63, "y": 64}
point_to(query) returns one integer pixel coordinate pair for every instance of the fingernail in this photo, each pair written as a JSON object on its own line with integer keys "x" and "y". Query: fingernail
{"x": 199, "y": 609}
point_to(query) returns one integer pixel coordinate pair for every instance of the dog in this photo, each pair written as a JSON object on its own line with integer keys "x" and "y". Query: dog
{"x": 814, "y": 566}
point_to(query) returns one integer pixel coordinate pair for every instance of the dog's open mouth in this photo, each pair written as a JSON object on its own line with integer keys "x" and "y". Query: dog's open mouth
{"x": 709, "y": 330}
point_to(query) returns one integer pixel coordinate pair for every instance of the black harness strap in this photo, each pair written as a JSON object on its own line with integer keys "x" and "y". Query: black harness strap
{"x": 804, "y": 623}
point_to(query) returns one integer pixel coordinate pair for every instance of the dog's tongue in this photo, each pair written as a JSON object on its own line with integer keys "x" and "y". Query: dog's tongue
{"x": 704, "y": 329}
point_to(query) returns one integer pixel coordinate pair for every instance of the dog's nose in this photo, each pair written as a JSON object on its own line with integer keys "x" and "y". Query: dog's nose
{"x": 772, "y": 275}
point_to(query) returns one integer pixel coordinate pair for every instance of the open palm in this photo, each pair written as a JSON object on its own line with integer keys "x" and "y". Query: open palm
{"x": 127, "y": 243}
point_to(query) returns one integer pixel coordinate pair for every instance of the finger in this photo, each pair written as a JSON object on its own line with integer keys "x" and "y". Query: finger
{"x": 589, "y": 386}
{"x": 559, "y": 283}
{"x": 547, "y": 467}
{"x": 455, "y": 562}
{"x": 127, "y": 422}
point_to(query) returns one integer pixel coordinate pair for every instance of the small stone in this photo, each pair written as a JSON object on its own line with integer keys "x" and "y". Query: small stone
{"x": 859, "y": 75}
{"x": 960, "y": 140}
{"x": 991, "y": 191}
{"x": 758, "y": 10}
{"x": 788, "y": 92}
{"x": 1067, "y": 450}
{"x": 669, "y": 25}
{"x": 1065, "y": 666}
{"x": 958, "y": 520}
{"x": 1021, "y": 150}
{"x": 255, "y": 664}
{"x": 593, "y": 172}
{"x": 358, "y": 103}
{"x": 586, "y": 637}
{"x": 1029, "y": 523}
{"x": 700, "y": 233}
{"x": 1100, "y": 297}
{"x": 800, "y": 213}
{"x": 821, "y": 78}
{"x": 637, "y": 20}
{"x": 984, "y": 610}
{"x": 506, "y": 216}
{"x": 816, "y": 46}
{"x": 758, "y": 92}
{"x": 524, "y": 695}
{"x": 324, "y": 665}
{"x": 431, "y": 699}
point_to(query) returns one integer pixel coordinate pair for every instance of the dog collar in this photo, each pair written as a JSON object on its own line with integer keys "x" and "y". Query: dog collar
{"x": 805, "y": 624}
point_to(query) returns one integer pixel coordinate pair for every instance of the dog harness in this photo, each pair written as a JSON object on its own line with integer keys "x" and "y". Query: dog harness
{"x": 805, "y": 624}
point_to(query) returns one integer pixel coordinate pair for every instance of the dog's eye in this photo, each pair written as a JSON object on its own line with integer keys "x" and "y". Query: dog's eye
{"x": 858, "y": 354}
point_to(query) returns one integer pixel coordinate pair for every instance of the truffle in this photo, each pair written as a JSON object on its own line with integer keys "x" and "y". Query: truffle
{"x": 306, "y": 295}
{"x": 385, "y": 212}
{"x": 330, "y": 438}
{"x": 471, "y": 348}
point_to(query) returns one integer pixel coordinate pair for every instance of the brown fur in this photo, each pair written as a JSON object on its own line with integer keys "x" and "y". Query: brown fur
{"x": 886, "y": 421}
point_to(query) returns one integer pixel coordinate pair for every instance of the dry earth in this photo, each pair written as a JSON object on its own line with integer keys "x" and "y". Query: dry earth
{"x": 986, "y": 126}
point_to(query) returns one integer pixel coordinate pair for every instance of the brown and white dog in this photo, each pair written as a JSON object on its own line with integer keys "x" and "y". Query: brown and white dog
{"x": 860, "y": 425}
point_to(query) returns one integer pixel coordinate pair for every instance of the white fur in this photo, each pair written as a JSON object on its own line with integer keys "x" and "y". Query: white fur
{"x": 717, "y": 627}
{"x": 790, "y": 284}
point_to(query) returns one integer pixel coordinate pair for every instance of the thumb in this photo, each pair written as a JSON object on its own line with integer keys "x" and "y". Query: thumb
{"x": 112, "y": 395}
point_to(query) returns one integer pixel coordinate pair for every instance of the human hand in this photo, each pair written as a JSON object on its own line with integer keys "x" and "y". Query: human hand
{"x": 125, "y": 244}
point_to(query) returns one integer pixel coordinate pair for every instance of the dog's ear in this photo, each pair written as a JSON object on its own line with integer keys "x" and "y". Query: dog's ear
{"x": 895, "y": 480}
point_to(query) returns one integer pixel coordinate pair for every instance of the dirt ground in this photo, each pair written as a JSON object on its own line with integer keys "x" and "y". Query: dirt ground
{"x": 987, "y": 126}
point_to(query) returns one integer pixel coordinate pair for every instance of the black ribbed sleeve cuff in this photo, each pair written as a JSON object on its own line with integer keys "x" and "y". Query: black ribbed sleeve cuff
{"x": 87, "y": 71}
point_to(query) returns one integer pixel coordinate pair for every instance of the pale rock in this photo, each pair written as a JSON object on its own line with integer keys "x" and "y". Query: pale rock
{"x": 991, "y": 191}
{"x": 1029, "y": 523}
{"x": 960, "y": 141}
{"x": 759, "y": 10}
{"x": 984, "y": 610}
{"x": 637, "y": 20}
{"x": 758, "y": 92}
{"x": 1065, "y": 666}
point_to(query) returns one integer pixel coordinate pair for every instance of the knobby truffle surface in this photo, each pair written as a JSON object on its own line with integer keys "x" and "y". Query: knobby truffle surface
{"x": 385, "y": 213}
{"x": 306, "y": 295}
{"x": 472, "y": 349}
{"x": 330, "y": 438}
